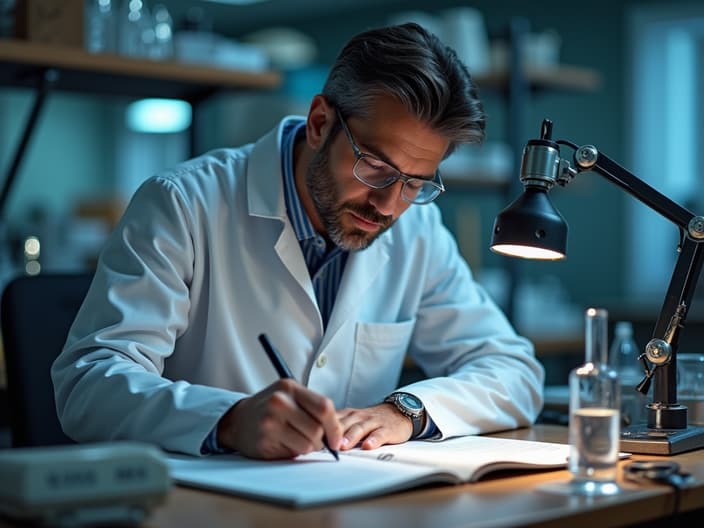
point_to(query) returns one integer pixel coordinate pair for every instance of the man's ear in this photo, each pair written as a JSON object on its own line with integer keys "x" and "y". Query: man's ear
{"x": 321, "y": 117}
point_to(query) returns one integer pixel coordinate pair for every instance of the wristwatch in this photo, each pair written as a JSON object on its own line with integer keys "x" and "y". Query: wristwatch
{"x": 410, "y": 406}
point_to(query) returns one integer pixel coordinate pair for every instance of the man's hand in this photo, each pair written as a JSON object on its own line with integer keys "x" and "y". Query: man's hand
{"x": 374, "y": 426}
{"x": 284, "y": 420}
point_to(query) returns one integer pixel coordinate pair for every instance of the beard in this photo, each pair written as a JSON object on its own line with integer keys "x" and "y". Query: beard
{"x": 325, "y": 194}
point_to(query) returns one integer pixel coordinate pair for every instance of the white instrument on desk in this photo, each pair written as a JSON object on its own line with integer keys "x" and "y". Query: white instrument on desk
{"x": 80, "y": 485}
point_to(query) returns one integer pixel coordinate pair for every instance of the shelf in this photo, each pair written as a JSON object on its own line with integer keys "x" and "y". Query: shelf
{"x": 561, "y": 77}
{"x": 476, "y": 182}
{"x": 22, "y": 62}
{"x": 47, "y": 68}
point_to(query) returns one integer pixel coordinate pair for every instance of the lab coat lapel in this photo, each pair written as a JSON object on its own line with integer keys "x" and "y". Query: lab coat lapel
{"x": 265, "y": 196}
{"x": 289, "y": 252}
{"x": 361, "y": 271}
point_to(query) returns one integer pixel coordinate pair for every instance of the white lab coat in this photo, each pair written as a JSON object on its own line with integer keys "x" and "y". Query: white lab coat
{"x": 205, "y": 259}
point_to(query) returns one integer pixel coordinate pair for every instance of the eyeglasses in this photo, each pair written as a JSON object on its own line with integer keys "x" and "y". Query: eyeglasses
{"x": 378, "y": 174}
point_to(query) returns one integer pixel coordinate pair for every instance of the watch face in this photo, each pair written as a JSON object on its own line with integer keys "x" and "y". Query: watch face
{"x": 410, "y": 402}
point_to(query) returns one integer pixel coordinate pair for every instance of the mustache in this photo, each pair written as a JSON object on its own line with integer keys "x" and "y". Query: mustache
{"x": 369, "y": 213}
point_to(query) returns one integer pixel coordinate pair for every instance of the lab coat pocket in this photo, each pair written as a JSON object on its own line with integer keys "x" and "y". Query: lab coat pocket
{"x": 379, "y": 351}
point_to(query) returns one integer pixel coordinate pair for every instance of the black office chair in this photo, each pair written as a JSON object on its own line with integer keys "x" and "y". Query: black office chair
{"x": 36, "y": 314}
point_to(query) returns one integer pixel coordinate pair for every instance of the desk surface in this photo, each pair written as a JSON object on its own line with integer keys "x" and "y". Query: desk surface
{"x": 511, "y": 501}
{"x": 517, "y": 500}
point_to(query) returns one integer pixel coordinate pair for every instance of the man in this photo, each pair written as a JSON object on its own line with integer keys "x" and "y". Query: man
{"x": 322, "y": 236}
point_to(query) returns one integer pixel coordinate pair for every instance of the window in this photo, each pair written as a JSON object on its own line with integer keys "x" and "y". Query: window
{"x": 666, "y": 134}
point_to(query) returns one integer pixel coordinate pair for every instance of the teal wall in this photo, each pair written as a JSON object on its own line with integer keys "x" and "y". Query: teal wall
{"x": 70, "y": 155}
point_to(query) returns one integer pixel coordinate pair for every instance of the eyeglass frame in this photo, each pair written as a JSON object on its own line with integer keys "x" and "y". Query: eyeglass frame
{"x": 359, "y": 155}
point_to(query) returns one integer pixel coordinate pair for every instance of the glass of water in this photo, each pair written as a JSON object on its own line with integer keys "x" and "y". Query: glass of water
{"x": 690, "y": 386}
{"x": 594, "y": 426}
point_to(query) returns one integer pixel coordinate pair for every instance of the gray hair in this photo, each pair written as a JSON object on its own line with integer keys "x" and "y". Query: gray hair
{"x": 414, "y": 66}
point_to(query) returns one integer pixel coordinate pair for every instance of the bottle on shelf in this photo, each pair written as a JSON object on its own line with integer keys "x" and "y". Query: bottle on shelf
{"x": 163, "y": 47}
{"x": 135, "y": 29}
{"x": 101, "y": 26}
{"x": 623, "y": 356}
{"x": 594, "y": 423}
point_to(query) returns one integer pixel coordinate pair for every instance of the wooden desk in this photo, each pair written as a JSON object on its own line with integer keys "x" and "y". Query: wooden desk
{"x": 518, "y": 500}
{"x": 512, "y": 501}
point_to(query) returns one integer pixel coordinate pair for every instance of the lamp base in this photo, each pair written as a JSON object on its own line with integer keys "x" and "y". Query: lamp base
{"x": 643, "y": 440}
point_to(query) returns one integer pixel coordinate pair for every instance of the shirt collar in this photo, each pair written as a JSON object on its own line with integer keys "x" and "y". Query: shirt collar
{"x": 302, "y": 225}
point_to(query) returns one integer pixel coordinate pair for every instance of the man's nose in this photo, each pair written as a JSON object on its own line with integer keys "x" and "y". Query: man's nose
{"x": 386, "y": 199}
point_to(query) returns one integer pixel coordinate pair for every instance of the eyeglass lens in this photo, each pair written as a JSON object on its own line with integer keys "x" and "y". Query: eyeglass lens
{"x": 379, "y": 174}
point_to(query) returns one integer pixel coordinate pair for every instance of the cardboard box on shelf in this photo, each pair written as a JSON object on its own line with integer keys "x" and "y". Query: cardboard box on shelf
{"x": 50, "y": 21}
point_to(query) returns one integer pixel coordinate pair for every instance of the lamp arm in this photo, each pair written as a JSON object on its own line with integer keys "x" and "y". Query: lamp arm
{"x": 661, "y": 351}
{"x": 640, "y": 190}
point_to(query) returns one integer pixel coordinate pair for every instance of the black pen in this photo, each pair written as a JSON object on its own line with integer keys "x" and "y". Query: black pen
{"x": 285, "y": 373}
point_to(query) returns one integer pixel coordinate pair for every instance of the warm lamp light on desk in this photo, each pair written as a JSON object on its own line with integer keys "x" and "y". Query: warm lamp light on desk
{"x": 531, "y": 227}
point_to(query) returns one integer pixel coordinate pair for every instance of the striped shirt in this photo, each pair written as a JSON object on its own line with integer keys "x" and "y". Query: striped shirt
{"x": 324, "y": 265}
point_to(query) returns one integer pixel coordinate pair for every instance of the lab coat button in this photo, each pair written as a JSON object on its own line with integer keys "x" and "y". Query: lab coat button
{"x": 321, "y": 361}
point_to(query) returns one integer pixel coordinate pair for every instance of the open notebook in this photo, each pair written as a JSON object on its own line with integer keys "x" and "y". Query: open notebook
{"x": 317, "y": 478}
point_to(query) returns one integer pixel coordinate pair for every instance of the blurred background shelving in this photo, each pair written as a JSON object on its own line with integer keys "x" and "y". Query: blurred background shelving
{"x": 83, "y": 161}
{"x": 113, "y": 74}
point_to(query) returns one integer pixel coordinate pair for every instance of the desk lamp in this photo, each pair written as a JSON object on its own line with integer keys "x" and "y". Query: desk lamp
{"x": 531, "y": 227}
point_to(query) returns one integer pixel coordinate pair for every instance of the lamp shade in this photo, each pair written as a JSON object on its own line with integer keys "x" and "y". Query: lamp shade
{"x": 531, "y": 227}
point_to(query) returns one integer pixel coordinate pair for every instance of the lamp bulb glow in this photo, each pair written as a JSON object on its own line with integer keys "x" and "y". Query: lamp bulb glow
{"x": 527, "y": 252}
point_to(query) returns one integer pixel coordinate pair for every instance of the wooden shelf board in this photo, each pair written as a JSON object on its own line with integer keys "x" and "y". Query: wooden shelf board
{"x": 22, "y": 62}
{"x": 561, "y": 77}
{"x": 476, "y": 182}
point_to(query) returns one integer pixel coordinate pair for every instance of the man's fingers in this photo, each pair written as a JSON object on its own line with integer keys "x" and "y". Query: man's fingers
{"x": 310, "y": 413}
{"x": 282, "y": 421}
{"x": 277, "y": 442}
{"x": 322, "y": 410}
{"x": 366, "y": 435}
{"x": 373, "y": 427}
